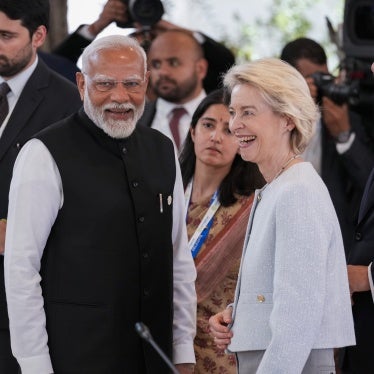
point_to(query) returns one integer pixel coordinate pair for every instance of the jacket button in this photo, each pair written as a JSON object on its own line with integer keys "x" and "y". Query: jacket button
{"x": 135, "y": 184}
{"x": 141, "y": 219}
{"x": 124, "y": 150}
{"x": 358, "y": 236}
{"x": 260, "y": 298}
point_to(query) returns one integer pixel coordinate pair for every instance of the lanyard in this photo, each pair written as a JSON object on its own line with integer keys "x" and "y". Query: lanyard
{"x": 201, "y": 233}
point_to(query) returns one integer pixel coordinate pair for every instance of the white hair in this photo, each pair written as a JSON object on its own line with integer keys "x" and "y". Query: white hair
{"x": 112, "y": 42}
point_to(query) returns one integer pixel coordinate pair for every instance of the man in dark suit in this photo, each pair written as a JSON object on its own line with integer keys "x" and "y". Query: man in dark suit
{"x": 341, "y": 150}
{"x": 37, "y": 97}
{"x": 359, "y": 359}
{"x": 178, "y": 67}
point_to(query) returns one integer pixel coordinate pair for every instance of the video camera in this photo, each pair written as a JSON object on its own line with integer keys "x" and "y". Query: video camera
{"x": 357, "y": 87}
{"x": 144, "y": 12}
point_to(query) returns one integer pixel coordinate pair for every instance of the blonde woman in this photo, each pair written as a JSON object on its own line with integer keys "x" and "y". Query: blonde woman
{"x": 292, "y": 302}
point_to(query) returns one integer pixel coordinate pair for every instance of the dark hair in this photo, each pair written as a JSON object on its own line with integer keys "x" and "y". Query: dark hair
{"x": 243, "y": 177}
{"x": 303, "y": 48}
{"x": 32, "y": 13}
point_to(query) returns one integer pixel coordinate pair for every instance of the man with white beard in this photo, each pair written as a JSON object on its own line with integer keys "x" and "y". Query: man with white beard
{"x": 96, "y": 239}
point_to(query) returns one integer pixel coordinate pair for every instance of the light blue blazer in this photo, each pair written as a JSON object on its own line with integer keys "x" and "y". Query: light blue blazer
{"x": 292, "y": 294}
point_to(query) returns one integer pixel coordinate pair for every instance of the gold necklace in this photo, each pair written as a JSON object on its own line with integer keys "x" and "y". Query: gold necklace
{"x": 284, "y": 166}
{"x": 259, "y": 197}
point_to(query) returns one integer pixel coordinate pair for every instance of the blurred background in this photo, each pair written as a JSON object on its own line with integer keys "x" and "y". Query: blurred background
{"x": 250, "y": 28}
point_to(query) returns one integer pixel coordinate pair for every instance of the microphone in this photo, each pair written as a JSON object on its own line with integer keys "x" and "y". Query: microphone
{"x": 145, "y": 334}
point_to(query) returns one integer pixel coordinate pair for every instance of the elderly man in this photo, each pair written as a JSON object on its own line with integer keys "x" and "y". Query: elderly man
{"x": 96, "y": 239}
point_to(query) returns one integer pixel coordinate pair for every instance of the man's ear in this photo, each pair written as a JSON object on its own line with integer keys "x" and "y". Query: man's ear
{"x": 39, "y": 36}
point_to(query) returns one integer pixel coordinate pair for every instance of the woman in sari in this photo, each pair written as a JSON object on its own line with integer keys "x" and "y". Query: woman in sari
{"x": 218, "y": 190}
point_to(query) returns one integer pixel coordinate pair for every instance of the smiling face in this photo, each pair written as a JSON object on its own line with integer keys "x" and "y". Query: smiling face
{"x": 115, "y": 110}
{"x": 264, "y": 136}
{"x": 214, "y": 143}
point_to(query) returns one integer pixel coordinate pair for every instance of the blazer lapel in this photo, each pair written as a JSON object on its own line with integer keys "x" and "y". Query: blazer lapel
{"x": 367, "y": 202}
{"x": 27, "y": 103}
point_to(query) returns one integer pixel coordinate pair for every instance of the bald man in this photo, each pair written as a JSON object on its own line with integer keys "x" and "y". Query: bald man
{"x": 178, "y": 67}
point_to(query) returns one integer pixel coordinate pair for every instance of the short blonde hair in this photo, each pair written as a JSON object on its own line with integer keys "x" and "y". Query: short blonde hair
{"x": 286, "y": 92}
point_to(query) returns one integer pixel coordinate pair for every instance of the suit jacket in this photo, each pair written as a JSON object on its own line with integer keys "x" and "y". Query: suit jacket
{"x": 46, "y": 98}
{"x": 149, "y": 113}
{"x": 219, "y": 57}
{"x": 292, "y": 294}
{"x": 60, "y": 64}
{"x": 359, "y": 358}
{"x": 345, "y": 175}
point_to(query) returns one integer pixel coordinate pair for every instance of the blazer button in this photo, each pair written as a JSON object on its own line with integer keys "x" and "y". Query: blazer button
{"x": 260, "y": 298}
{"x": 358, "y": 236}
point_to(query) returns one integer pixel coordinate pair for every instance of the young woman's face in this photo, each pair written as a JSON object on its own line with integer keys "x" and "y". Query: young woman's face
{"x": 214, "y": 143}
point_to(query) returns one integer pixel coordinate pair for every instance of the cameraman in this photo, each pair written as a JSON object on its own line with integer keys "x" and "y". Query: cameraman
{"x": 341, "y": 151}
{"x": 218, "y": 56}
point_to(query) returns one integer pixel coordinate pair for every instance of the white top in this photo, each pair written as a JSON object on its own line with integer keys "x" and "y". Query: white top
{"x": 163, "y": 114}
{"x": 36, "y": 195}
{"x": 313, "y": 151}
{"x": 292, "y": 292}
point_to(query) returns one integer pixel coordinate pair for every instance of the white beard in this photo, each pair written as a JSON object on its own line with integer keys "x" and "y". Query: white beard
{"x": 114, "y": 128}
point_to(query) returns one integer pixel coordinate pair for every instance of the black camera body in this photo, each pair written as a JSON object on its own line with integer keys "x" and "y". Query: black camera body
{"x": 144, "y": 12}
{"x": 347, "y": 92}
{"x": 357, "y": 88}
{"x": 358, "y": 29}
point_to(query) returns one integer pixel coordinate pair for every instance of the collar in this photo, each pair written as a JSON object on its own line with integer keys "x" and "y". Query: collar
{"x": 166, "y": 106}
{"x": 18, "y": 82}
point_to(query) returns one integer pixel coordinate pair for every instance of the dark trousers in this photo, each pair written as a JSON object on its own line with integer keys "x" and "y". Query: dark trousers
{"x": 8, "y": 364}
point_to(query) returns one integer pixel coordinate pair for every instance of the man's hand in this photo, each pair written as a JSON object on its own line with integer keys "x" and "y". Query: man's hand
{"x": 335, "y": 117}
{"x": 113, "y": 11}
{"x": 358, "y": 278}
{"x": 312, "y": 88}
{"x": 219, "y": 329}
{"x": 2, "y": 235}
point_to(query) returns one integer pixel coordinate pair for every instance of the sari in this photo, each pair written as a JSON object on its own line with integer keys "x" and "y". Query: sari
{"x": 217, "y": 265}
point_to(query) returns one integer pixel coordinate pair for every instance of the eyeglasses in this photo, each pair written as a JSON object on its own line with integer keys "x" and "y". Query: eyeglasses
{"x": 130, "y": 85}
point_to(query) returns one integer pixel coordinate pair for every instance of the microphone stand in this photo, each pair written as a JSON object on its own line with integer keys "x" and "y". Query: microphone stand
{"x": 145, "y": 334}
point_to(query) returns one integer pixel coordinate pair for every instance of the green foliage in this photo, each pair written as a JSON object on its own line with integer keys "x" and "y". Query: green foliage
{"x": 285, "y": 20}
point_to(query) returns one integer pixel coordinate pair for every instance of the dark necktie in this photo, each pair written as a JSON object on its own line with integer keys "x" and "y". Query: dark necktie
{"x": 4, "y": 107}
{"x": 177, "y": 113}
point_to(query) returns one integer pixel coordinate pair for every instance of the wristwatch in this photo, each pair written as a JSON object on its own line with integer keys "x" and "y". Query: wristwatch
{"x": 343, "y": 136}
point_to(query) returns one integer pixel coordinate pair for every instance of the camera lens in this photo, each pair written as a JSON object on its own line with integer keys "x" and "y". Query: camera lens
{"x": 146, "y": 12}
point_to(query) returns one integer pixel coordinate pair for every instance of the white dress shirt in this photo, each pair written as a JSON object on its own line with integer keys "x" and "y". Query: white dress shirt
{"x": 163, "y": 115}
{"x": 36, "y": 195}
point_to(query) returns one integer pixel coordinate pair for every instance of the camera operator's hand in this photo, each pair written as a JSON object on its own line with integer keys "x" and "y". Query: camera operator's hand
{"x": 335, "y": 117}
{"x": 312, "y": 88}
{"x": 113, "y": 11}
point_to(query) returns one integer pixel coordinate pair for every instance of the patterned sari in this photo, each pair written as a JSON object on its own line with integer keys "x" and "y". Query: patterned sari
{"x": 217, "y": 266}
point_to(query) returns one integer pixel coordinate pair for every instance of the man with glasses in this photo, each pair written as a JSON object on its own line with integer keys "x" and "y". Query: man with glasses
{"x": 96, "y": 238}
